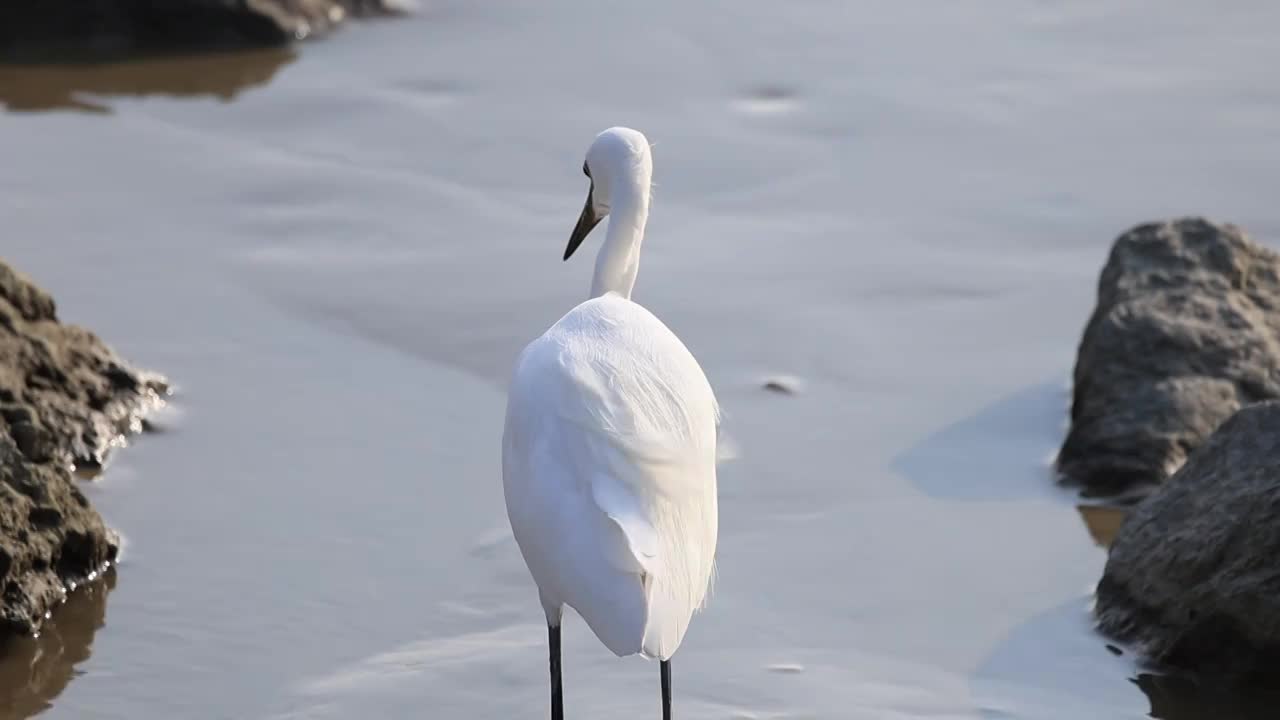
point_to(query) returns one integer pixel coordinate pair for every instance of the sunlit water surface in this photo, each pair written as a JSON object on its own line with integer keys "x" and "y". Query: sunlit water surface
{"x": 337, "y": 253}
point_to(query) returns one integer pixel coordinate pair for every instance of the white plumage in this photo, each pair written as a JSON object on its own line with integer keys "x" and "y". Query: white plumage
{"x": 609, "y": 450}
{"x": 610, "y": 474}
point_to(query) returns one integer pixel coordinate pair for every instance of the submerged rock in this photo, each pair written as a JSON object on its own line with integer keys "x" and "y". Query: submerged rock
{"x": 65, "y": 399}
{"x": 1193, "y": 577}
{"x": 1186, "y": 331}
{"x": 74, "y": 29}
{"x": 783, "y": 384}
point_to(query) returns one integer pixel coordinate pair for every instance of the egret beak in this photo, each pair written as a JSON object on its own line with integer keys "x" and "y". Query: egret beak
{"x": 586, "y": 221}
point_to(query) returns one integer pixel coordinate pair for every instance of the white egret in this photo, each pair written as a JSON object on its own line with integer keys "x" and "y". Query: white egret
{"x": 609, "y": 449}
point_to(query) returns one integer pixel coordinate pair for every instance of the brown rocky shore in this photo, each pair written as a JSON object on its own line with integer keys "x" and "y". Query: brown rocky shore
{"x": 66, "y": 400}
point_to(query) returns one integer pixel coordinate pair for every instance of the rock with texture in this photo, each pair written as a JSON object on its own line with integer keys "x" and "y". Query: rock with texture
{"x": 1193, "y": 577}
{"x": 65, "y": 400}
{"x": 1186, "y": 331}
{"x": 39, "y": 30}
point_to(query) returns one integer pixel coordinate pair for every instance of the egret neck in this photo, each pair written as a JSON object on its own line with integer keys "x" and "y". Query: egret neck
{"x": 619, "y": 256}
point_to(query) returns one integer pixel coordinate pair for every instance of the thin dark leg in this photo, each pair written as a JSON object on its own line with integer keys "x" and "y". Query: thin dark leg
{"x": 665, "y": 670}
{"x": 557, "y": 693}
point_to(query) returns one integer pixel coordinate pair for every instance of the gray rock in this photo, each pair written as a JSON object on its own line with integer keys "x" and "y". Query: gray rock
{"x": 40, "y": 30}
{"x": 1186, "y": 331}
{"x": 1193, "y": 576}
{"x": 65, "y": 400}
{"x": 1182, "y": 697}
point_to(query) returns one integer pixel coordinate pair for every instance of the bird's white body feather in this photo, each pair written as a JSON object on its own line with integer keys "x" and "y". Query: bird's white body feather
{"x": 609, "y": 470}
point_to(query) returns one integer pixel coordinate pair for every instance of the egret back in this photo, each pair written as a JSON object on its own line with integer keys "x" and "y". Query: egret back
{"x": 609, "y": 470}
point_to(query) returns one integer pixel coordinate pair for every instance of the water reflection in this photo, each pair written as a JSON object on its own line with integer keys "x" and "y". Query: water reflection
{"x": 1102, "y": 522}
{"x": 34, "y": 671}
{"x": 31, "y": 88}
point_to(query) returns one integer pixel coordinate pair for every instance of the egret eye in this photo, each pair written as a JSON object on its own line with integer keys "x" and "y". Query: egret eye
{"x": 585, "y": 170}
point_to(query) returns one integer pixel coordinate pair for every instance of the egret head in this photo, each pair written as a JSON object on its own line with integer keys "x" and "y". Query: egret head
{"x": 619, "y": 165}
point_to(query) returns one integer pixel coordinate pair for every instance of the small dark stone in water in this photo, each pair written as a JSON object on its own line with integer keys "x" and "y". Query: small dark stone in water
{"x": 783, "y": 385}
{"x": 773, "y": 92}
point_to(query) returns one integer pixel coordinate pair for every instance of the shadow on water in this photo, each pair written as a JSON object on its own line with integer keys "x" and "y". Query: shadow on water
{"x": 1054, "y": 666}
{"x": 985, "y": 457}
{"x": 1003, "y": 453}
{"x": 34, "y": 671}
{"x": 73, "y": 86}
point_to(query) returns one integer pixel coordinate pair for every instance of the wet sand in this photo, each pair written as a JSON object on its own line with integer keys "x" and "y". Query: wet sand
{"x": 904, "y": 206}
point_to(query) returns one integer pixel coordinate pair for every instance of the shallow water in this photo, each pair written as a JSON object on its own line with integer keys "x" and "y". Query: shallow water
{"x": 903, "y": 205}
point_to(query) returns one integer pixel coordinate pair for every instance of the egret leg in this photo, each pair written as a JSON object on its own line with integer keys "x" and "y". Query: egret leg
{"x": 665, "y": 670}
{"x": 557, "y": 693}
